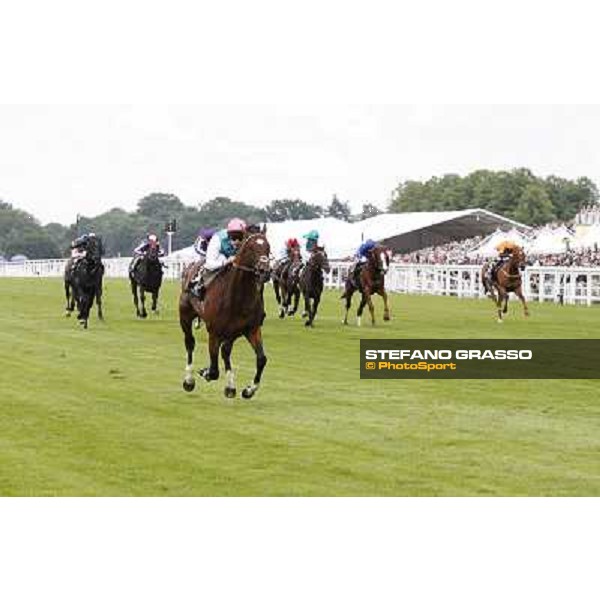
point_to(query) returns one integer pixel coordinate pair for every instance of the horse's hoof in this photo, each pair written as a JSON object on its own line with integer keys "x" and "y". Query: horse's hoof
{"x": 248, "y": 392}
{"x": 386, "y": 319}
{"x": 304, "y": 314}
{"x": 207, "y": 375}
{"x": 67, "y": 314}
{"x": 189, "y": 386}
{"x": 281, "y": 314}
{"x": 499, "y": 321}
{"x": 230, "y": 392}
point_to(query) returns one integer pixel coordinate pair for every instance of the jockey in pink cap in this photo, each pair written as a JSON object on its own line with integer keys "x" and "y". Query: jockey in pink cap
{"x": 221, "y": 251}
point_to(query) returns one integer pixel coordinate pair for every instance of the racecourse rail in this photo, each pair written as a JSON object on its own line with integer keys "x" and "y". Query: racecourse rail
{"x": 568, "y": 285}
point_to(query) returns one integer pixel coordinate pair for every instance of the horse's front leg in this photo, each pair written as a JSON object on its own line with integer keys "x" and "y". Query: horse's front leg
{"x": 255, "y": 339}
{"x": 186, "y": 318}
{"x": 521, "y": 297}
{"x": 348, "y": 293}
{"x": 226, "y": 349}
{"x": 155, "y": 302}
{"x": 143, "y": 314}
{"x": 313, "y": 312}
{"x": 296, "y": 300}
{"x": 70, "y": 300}
{"x": 386, "y": 306}
{"x": 212, "y": 372}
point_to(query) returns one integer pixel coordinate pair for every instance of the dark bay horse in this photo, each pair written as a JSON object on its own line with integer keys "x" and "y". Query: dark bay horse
{"x": 507, "y": 279}
{"x": 233, "y": 306}
{"x": 371, "y": 280}
{"x": 311, "y": 283}
{"x": 287, "y": 285}
{"x": 146, "y": 276}
{"x": 83, "y": 278}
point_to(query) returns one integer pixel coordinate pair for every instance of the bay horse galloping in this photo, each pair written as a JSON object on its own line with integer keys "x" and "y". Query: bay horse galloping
{"x": 371, "y": 280}
{"x": 84, "y": 279}
{"x": 145, "y": 275}
{"x": 506, "y": 279}
{"x": 311, "y": 283}
{"x": 287, "y": 288}
{"x": 233, "y": 306}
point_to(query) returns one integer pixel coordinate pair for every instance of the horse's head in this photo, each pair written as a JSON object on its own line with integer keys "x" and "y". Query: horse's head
{"x": 319, "y": 258}
{"x": 379, "y": 258}
{"x": 518, "y": 258}
{"x": 296, "y": 255}
{"x": 253, "y": 256}
{"x": 153, "y": 251}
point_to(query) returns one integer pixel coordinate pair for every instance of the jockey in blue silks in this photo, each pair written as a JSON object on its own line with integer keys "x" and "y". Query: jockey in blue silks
{"x": 361, "y": 257}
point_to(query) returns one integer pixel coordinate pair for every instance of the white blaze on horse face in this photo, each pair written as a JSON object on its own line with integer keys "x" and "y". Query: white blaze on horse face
{"x": 384, "y": 264}
{"x": 260, "y": 242}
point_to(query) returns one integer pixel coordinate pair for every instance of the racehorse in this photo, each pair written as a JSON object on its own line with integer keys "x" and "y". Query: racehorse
{"x": 287, "y": 284}
{"x": 507, "y": 279}
{"x": 145, "y": 275}
{"x": 311, "y": 283}
{"x": 233, "y": 306}
{"x": 371, "y": 280}
{"x": 83, "y": 277}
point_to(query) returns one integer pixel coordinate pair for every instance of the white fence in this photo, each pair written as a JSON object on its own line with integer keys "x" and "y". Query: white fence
{"x": 569, "y": 285}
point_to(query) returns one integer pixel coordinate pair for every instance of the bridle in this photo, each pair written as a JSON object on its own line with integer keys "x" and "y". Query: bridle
{"x": 262, "y": 266}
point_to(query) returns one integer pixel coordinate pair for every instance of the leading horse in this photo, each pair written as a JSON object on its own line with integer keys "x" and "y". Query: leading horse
{"x": 371, "y": 280}
{"x": 506, "y": 279}
{"x": 233, "y": 306}
{"x": 145, "y": 275}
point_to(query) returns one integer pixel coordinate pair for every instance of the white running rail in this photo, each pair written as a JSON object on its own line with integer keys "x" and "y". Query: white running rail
{"x": 568, "y": 285}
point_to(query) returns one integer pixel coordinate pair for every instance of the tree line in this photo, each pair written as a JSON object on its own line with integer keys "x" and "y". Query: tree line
{"x": 516, "y": 194}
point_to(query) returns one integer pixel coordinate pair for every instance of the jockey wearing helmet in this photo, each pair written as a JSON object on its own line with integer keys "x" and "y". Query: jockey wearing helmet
{"x": 143, "y": 247}
{"x": 312, "y": 240}
{"x": 505, "y": 249}
{"x": 203, "y": 239}
{"x": 81, "y": 245}
{"x": 220, "y": 252}
{"x": 361, "y": 257}
{"x": 286, "y": 252}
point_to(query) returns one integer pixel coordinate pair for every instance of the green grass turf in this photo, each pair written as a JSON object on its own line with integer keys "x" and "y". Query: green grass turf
{"x": 102, "y": 412}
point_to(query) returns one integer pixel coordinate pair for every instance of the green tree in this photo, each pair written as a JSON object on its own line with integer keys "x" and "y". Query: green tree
{"x": 291, "y": 210}
{"x": 534, "y": 206}
{"x": 369, "y": 210}
{"x": 338, "y": 209}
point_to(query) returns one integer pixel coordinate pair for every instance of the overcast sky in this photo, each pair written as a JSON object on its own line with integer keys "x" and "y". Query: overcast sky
{"x": 57, "y": 161}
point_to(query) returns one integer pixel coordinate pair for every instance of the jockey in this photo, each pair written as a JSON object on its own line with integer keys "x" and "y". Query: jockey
{"x": 220, "y": 252}
{"x": 80, "y": 245}
{"x": 505, "y": 249}
{"x": 203, "y": 239}
{"x": 286, "y": 252}
{"x": 312, "y": 240}
{"x": 361, "y": 257}
{"x": 141, "y": 249}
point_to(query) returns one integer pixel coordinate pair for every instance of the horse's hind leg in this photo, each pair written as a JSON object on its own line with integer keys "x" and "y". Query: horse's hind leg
{"x": 70, "y": 305}
{"x": 99, "y": 303}
{"x": 361, "y": 307}
{"x": 499, "y": 300}
{"x": 135, "y": 298}
{"x": 296, "y": 301}
{"x": 185, "y": 320}
{"x": 370, "y": 305}
{"x": 226, "y": 348}
{"x": 519, "y": 293}
{"x": 255, "y": 339}
{"x": 505, "y": 309}
{"x": 144, "y": 314}
{"x": 348, "y": 297}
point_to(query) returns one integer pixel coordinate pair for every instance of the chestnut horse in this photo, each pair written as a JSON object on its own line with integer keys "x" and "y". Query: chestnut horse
{"x": 232, "y": 307}
{"x": 371, "y": 280}
{"x": 507, "y": 279}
